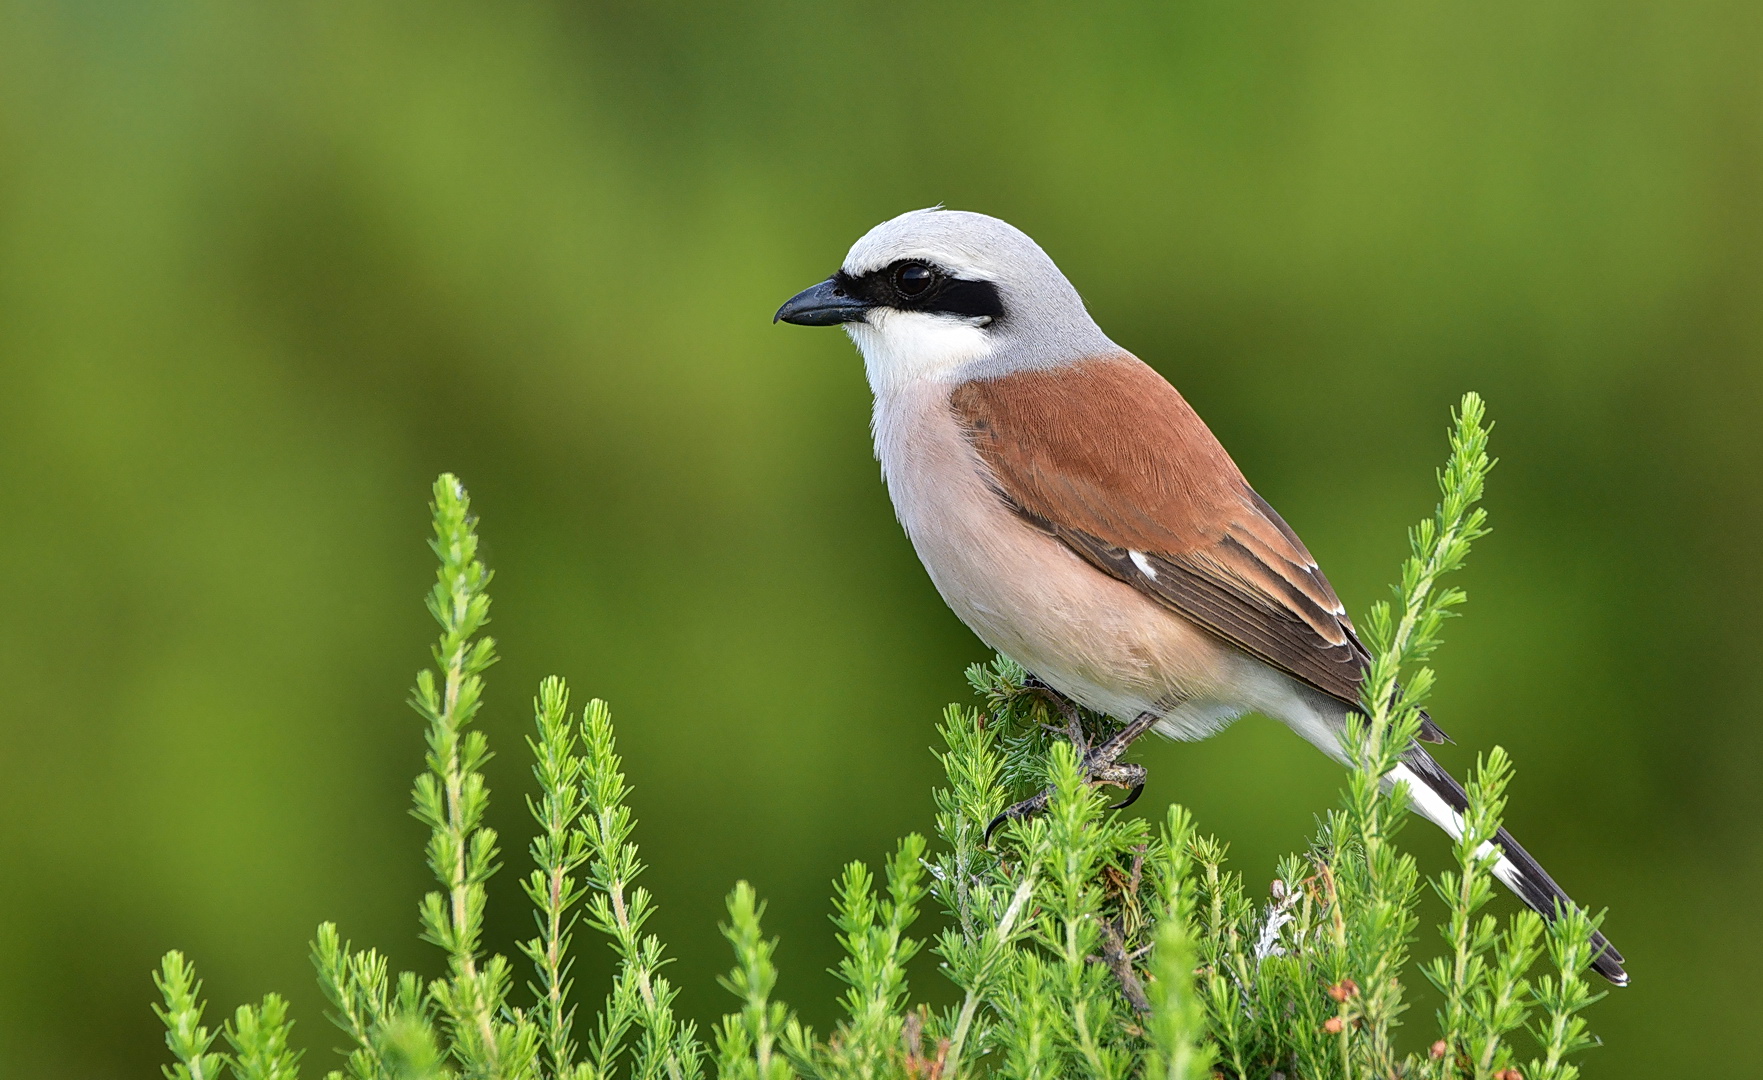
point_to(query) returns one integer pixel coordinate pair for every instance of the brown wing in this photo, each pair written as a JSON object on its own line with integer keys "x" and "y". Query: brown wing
{"x": 1107, "y": 456}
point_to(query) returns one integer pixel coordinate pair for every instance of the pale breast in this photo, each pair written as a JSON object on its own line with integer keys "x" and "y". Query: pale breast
{"x": 1094, "y": 638}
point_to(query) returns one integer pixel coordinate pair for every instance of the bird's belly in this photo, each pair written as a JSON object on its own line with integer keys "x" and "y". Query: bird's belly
{"x": 1095, "y": 639}
{"x": 1024, "y": 593}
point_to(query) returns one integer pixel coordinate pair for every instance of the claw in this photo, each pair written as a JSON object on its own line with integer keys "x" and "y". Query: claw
{"x": 1032, "y": 805}
{"x": 1131, "y": 797}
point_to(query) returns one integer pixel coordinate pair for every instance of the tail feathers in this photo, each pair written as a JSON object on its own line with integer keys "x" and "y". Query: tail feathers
{"x": 1438, "y": 797}
{"x": 1429, "y": 731}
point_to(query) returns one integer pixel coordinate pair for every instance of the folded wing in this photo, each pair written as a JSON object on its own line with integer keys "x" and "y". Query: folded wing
{"x": 1109, "y": 458}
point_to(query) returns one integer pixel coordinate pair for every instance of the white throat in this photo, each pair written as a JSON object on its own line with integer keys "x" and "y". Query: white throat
{"x": 901, "y": 348}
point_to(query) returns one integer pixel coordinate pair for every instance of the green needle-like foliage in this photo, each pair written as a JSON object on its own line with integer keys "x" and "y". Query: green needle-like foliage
{"x": 558, "y": 852}
{"x": 1176, "y": 1025}
{"x": 747, "y": 1042}
{"x": 1083, "y": 943}
{"x": 451, "y": 800}
{"x": 185, "y": 1035}
{"x": 640, "y": 1000}
{"x": 258, "y": 1035}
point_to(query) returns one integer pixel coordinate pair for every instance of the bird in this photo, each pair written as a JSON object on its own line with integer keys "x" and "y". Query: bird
{"x": 1076, "y": 513}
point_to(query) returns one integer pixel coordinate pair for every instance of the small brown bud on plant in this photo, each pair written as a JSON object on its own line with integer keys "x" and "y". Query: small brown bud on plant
{"x": 1343, "y": 990}
{"x": 1439, "y": 1050}
{"x": 1333, "y": 1025}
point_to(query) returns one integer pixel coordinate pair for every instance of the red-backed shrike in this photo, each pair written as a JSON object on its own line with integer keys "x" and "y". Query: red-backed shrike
{"x": 1079, "y": 516}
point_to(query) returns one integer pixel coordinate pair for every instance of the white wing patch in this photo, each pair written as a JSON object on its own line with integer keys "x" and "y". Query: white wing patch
{"x": 1144, "y": 564}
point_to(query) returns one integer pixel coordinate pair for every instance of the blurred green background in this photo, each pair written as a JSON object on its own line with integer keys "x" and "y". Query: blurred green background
{"x": 265, "y": 269}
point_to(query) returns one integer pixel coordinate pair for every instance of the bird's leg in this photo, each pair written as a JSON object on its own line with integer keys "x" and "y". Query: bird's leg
{"x": 1074, "y": 727}
{"x": 1101, "y": 765}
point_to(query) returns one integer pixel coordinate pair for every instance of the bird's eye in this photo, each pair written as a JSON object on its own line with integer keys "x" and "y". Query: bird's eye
{"x": 913, "y": 278}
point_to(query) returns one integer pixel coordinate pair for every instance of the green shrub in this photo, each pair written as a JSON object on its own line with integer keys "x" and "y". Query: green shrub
{"x": 1084, "y": 943}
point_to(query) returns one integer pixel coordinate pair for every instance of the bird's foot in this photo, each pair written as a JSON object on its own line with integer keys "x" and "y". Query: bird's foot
{"x": 1101, "y": 765}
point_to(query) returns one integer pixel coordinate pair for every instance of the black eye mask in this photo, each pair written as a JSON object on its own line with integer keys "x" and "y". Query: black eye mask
{"x": 911, "y": 285}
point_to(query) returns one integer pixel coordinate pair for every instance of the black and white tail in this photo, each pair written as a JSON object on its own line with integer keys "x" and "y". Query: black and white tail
{"x": 1438, "y": 796}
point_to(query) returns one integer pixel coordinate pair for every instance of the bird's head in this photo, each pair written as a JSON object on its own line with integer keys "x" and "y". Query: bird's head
{"x": 936, "y": 291}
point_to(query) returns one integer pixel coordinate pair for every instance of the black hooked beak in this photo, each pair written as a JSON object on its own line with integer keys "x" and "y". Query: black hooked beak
{"x": 826, "y": 304}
